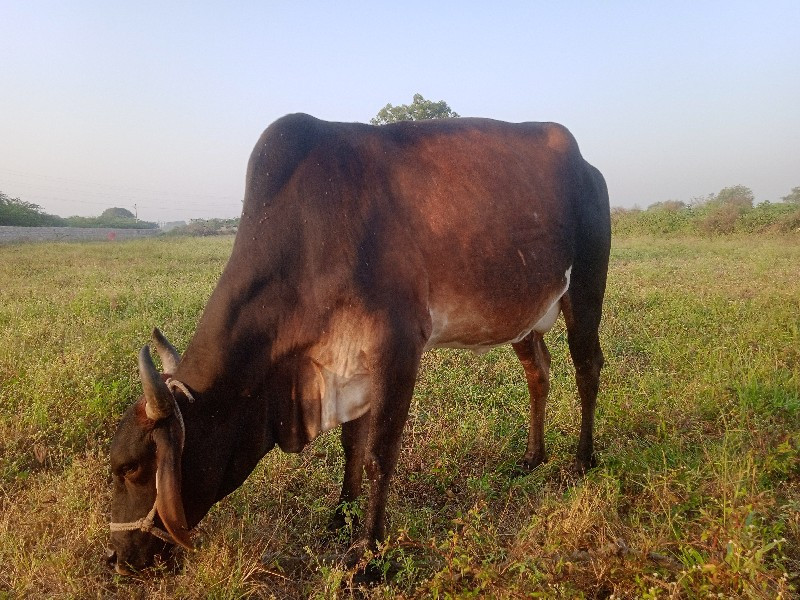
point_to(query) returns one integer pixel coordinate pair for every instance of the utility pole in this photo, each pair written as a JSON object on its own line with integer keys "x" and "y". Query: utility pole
{"x": 136, "y": 211}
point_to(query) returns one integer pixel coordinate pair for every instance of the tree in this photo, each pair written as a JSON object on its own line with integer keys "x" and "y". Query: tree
{"x": 117, "y": 213}
{"x": 738, "y": 195}
{"x": 668, "y": 205}
{"x": 793, "y": 197}
{"x": 419, "y": 109}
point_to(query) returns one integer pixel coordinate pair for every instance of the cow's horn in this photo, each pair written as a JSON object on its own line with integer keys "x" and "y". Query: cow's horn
{"x": 169, "y": 355}
{"x": 159, "y": 399}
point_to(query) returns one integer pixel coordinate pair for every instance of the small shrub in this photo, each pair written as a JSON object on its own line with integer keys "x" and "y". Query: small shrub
{"x": 721, "y": 219}
{"x": 788, "y": 222}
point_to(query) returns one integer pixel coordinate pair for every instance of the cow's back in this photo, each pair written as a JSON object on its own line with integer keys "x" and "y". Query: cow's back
{"x": 473, "y": 218}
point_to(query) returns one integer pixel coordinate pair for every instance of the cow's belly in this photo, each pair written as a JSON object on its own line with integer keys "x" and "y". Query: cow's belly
{"x": 339, "y": 378}
{"x": 460, "y": 323}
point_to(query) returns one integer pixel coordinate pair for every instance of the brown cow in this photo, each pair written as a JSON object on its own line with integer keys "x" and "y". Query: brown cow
{"x": 360, "y": 248}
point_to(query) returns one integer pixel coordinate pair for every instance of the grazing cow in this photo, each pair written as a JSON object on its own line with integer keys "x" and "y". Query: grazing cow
{"x": 360, "y": 248}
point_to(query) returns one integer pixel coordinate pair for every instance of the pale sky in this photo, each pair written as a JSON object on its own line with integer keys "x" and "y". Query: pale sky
{"x": 158, "y": 104}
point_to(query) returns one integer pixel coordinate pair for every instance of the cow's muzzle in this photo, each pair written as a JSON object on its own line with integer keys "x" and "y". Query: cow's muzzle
{"x": 115, "y": 565}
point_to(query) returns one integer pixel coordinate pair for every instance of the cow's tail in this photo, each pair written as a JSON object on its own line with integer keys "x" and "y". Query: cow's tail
{"x": 593, "y": 240}
{"x": 584, "y": 306}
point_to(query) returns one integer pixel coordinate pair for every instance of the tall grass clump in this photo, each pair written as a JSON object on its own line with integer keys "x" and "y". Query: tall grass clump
{"x": 696, "y": 494}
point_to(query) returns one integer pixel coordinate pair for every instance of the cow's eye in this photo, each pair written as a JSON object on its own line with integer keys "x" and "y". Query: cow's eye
{"x": 129, "y": 470}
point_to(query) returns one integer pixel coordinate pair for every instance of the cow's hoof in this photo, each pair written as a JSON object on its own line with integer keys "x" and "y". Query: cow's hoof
{"x": 376, "y": 571}
{"x": 368, "y": 568}
{"x": 528, "y": 464}
{"x": 583, "y": 465}
{"x": 355, "y": 557}
{"x": 343, "y": 520}
{"x": 336, "y": 523}
{"x": 342, "y": 526}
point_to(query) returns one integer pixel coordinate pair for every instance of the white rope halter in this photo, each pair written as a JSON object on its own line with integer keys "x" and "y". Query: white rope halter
{"x": 147, "y": 523}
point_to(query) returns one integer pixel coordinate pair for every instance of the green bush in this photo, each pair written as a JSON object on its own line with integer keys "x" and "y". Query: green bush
{"x": 662, "y": 218}
{"x": 768, "y": 216}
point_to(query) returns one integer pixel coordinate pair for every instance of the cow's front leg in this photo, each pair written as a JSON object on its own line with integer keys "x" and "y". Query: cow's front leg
{"x": 394, "y": 387}
{"x": 354, "y": 444}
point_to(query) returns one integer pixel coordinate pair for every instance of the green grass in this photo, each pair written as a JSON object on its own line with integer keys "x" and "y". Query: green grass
{"x": 698, "y": 432}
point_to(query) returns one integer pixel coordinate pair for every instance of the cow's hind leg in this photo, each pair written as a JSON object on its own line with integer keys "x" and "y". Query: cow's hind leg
{"x": 535, "y": 358}
{"x": 582, "y": 305}
{"x": 354, "y": 443}
{"x": 583, "y": 322}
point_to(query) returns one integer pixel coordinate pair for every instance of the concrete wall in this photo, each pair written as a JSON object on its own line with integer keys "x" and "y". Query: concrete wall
{"x": 49, "y": 234}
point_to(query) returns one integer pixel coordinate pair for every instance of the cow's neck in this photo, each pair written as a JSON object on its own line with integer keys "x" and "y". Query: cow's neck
{"x": 254, "y": 299}
{"x": 228, "y": 426}
{"x": 234, "y": 336}
{"x": 241, "y": 366}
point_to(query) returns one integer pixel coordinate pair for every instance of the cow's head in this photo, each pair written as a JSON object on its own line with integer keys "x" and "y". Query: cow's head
{"x": 146, "y": 469}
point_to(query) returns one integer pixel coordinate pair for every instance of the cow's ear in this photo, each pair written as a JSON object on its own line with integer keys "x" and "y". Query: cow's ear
{"x": 169, "y": 501}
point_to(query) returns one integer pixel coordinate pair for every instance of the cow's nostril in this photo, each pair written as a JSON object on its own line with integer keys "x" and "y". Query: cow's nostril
{"x": 111, "y": 556}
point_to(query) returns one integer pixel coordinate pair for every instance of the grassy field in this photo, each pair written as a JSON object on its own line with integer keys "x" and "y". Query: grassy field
{"x": 697, "y": 493}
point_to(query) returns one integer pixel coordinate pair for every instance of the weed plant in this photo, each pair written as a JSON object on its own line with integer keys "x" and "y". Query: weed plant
{"x": 697, "y": 492}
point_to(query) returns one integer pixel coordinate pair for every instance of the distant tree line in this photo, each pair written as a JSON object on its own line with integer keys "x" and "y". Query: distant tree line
{"x": 207, "y": 227}
{"x": 14, "y": 211}
{"x": 732, "y": 210}
{"x": 20, "y": 213}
